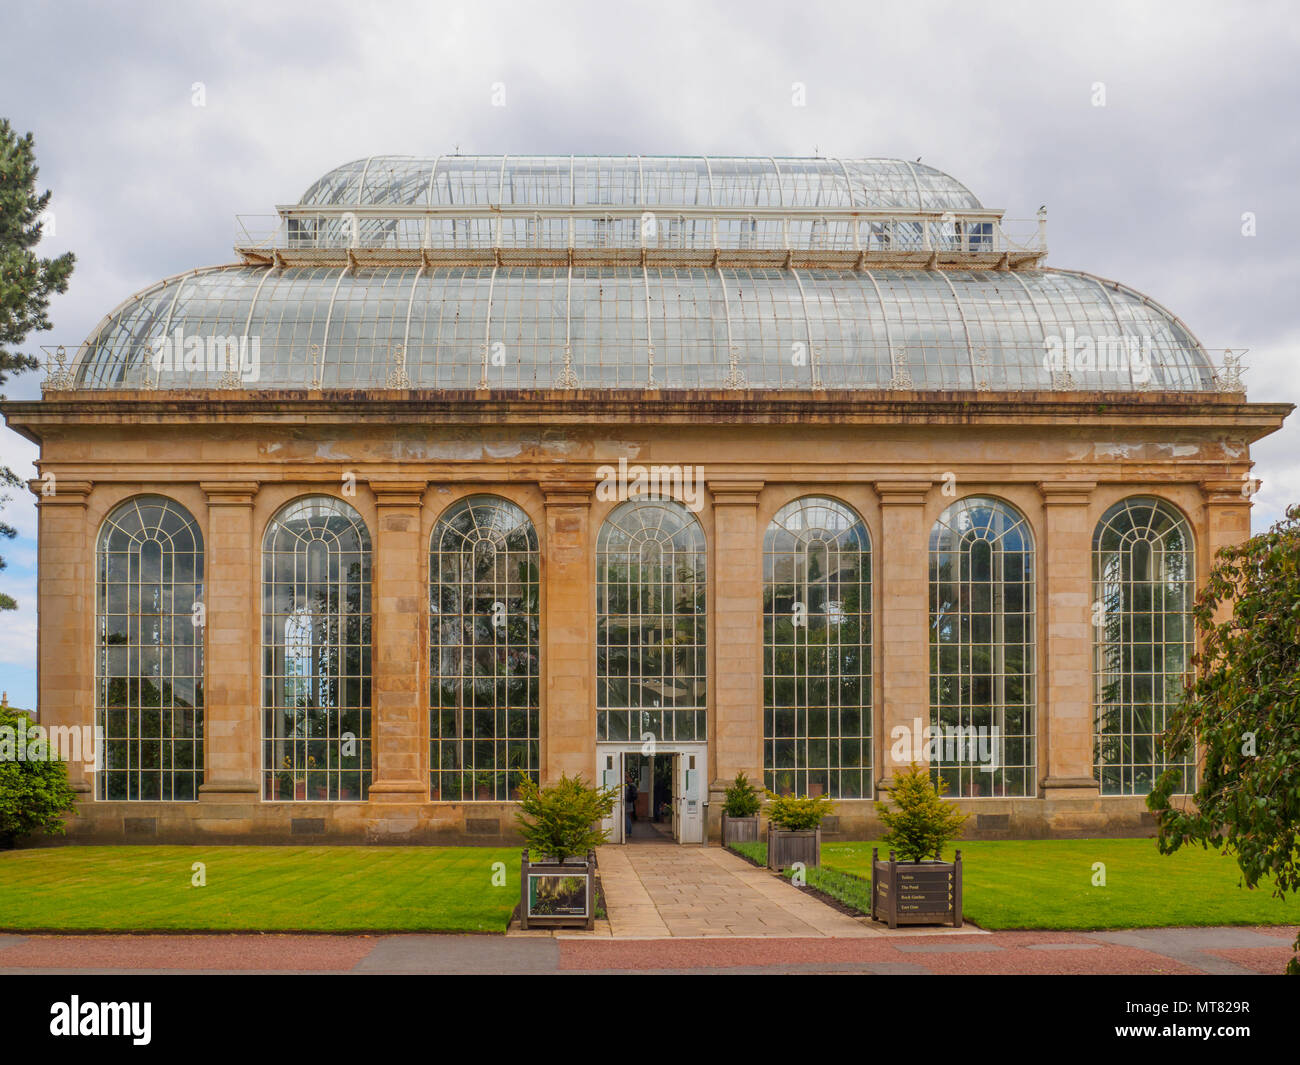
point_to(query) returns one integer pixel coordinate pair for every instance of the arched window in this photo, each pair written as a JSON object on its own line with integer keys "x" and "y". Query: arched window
{"x": 817, "y": 651}
{"x": 1143, "y": 572}
{"x": 982, "y": 694}
{"x": 484, "y": 650}
{"x": 650, "y": 623}
{"x": 149, "y": 651}
{"x": 316, "y": 653}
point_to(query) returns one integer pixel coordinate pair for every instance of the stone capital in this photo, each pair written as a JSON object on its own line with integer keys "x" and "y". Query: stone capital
{"x": 567, "y": 493}
{"x": 903, "y": 493}
{"x": 398, "y": 493}
{"x": 735, "y": 493}
{"x": 59, "y": 492}
{"x": 1066, "y": 493}
{"x": 1227, "y": 492}
{"x": 229, "y": 493}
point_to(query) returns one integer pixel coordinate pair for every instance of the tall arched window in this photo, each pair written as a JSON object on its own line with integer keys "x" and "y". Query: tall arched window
{"x": 1143, "y": 573}
{"x": 650, "y": 623}
{"x": 484, "y": 650}
{"x": 982, "y": 692}
{"x": 817, "y": 651}
{"x": 316, "y": 653}
{"x": 149, "y": 651}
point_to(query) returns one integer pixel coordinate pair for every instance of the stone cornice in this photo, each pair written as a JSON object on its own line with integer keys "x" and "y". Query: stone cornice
{"x": 810, "y": 410}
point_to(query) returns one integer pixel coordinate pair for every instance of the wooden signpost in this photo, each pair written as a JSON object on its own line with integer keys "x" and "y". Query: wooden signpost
{"x": 915, "y": 892}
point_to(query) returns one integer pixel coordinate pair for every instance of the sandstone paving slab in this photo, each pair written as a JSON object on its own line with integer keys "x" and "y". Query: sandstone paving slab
{"x": 459, "y": 954}
{"x": 1197, "y": 947}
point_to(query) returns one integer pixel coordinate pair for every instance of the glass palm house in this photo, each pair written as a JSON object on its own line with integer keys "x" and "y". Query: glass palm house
{"x": 478, "y": 469}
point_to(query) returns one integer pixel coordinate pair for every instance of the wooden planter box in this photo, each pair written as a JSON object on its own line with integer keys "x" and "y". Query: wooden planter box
{"x": 555, "y": 895}
{"x": 785, "y": 848}
{"x": 739, "y": 829}
{"x": 915, "y": 892}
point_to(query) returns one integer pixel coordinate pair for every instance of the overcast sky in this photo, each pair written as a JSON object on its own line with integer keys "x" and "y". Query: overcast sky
{"x": 1199, "y": 126}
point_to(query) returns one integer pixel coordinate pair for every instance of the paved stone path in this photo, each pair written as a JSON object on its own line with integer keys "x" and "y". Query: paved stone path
{"x": 655, "y": 890}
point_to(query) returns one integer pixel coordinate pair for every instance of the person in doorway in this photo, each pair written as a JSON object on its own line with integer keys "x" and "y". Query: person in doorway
{"x": 629, "y": 805}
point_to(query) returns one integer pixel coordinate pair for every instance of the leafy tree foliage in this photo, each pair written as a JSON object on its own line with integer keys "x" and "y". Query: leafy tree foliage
{"x": 26, "y": 281}
{"x": 1242, "y": 712}
{"x": 35, "y": 795}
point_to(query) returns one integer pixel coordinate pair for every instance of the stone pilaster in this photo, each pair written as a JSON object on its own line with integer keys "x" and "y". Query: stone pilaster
{"x": 569, "y": 713}
{"x": 1065, "y": 568}
{"x": 736, "y": 732}
{"x": 1227, "y": 523}
{"x": 903, "y": 649}
{"x": 398, "y": 697}
{"x": 65, "y": 593}
{"x": 232, "y": 640}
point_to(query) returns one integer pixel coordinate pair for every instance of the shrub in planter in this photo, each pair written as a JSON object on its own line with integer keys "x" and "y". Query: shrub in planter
{"x": 561, "y": 825}
{"x": 794, "y": 833}
{"x": 35, "y": 795}
{"x": 562, "y": 820}
{"x": 919, "y": 887}
{"x": 740, "y": 812}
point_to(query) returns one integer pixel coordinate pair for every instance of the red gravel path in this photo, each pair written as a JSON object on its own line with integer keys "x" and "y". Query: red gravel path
{"x": 290, "y": 953}
{"x": 305, "y": 953}
{"x": 729, "y": 953}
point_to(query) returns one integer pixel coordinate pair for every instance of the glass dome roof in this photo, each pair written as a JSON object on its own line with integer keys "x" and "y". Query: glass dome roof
{"x": 636, "y": 180}
{"x": 629, "y": 328}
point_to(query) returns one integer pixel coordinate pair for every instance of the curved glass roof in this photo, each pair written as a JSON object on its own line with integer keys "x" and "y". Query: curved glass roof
{"x": 636, "y": 180}
{"x": 629, "y": 327}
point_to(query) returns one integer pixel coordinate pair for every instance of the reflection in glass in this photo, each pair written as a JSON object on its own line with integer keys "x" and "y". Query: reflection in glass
{"x": 982, "y": 692}
{"x": 950, "y": 329}
{"x": 149, "y": 652}
{"x": 1143, "y": 570}
{"x": 650, "y": 623}
{"x": 316, "y": 653}
{"x": 484, "y": 651}
{"x": 817, "y": 651}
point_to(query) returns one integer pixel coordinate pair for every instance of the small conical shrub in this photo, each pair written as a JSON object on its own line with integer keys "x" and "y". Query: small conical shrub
{"x": 922, "y": 823}
{"x": 562, "y": 820}
{"x": 742, "y": 798}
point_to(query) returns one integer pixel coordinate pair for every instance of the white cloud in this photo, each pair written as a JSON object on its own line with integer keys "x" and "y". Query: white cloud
{"x": 1198, "y": 126}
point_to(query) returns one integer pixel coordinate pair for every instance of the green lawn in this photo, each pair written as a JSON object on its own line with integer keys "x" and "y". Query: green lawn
{"x": 1048, "y": 884}
{"x": 263, "y": 889}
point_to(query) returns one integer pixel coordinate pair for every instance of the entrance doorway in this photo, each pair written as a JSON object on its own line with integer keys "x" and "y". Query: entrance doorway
{"x": 669, "y": 791}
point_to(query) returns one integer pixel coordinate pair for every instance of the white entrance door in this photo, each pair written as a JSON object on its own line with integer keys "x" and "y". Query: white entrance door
{"x": 687, "y": 784}
{"x": 688, "y": 820}
{"x": 611, "y": 776}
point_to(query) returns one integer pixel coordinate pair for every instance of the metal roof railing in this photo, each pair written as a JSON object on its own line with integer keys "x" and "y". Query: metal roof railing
{"x": 834, "y": 238}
